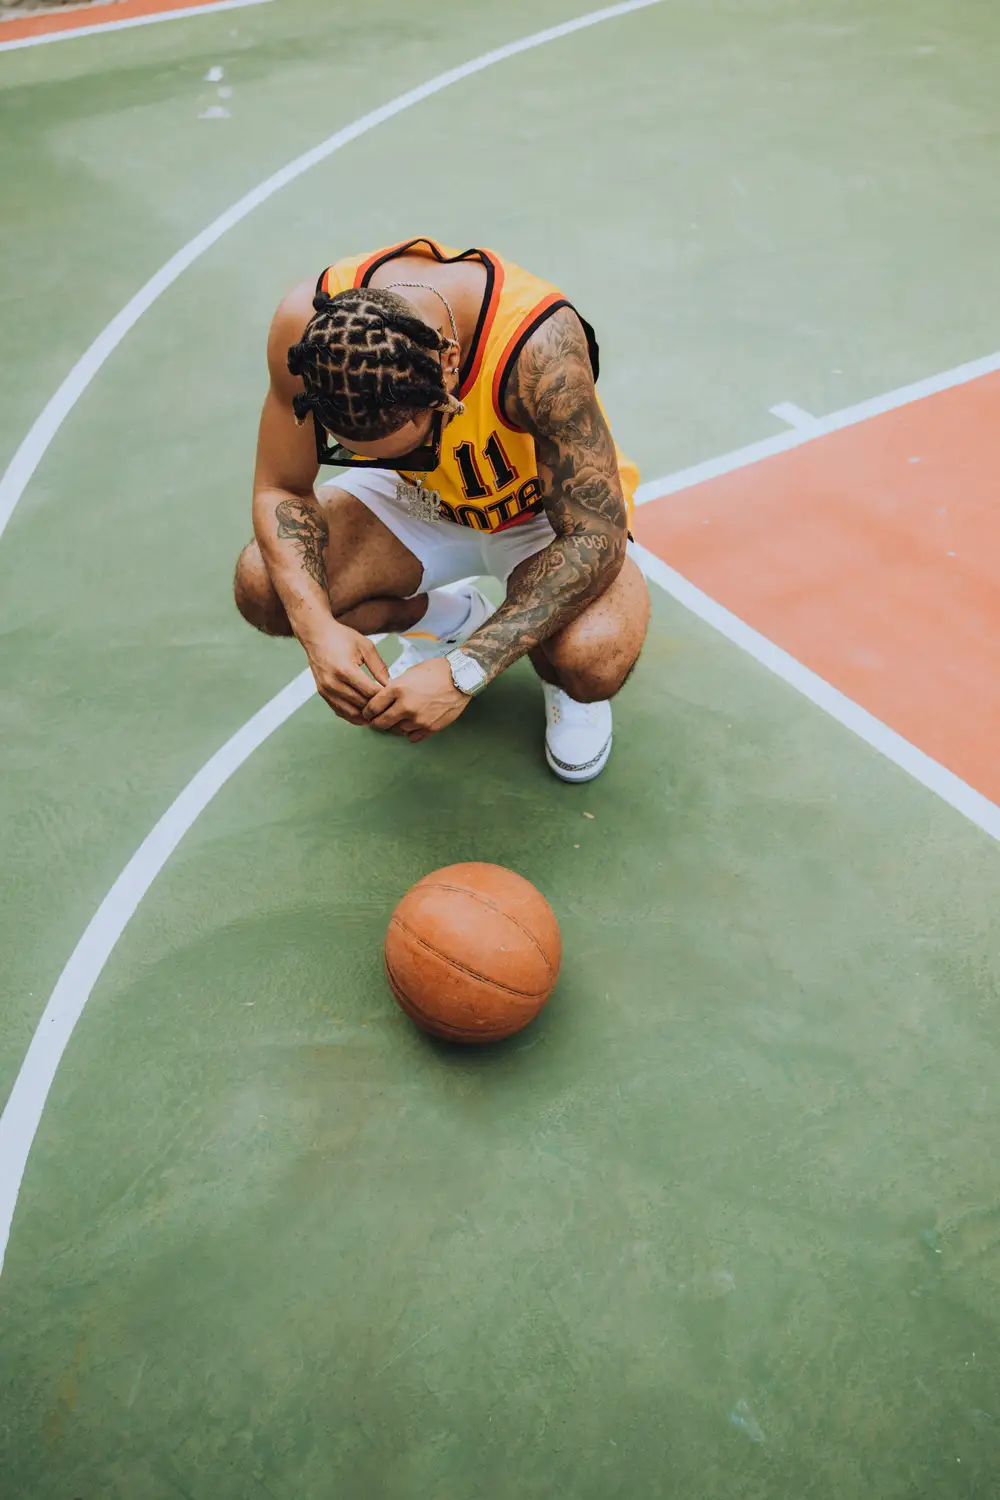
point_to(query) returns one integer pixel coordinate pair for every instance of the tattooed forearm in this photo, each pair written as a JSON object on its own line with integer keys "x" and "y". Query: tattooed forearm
{"x": 552, "y": 395}
{"x": 544, "y": 595}
{"x": 304, "y": 524}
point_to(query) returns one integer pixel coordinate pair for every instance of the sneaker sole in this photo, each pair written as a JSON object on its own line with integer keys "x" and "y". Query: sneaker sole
{"x": 586, "y": 772}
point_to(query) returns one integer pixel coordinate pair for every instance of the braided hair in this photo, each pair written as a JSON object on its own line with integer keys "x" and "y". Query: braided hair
{"x": 368, "y": 365}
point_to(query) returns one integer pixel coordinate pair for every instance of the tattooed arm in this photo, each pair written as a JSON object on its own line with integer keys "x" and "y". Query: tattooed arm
{"x": 292, "y": 532}
{"x": 551, "y": 394}
{"x": 288, "y": 523}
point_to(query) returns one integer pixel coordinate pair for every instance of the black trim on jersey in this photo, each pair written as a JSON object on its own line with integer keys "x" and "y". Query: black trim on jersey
{"x": 447, "y": 260}
{"x": 593, "y": 350}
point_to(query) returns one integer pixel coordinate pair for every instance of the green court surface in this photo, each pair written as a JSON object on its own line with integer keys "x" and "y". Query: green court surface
{"x": 726, "y": 1221}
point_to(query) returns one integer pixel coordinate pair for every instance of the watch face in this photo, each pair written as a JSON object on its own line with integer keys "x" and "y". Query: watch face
{"x": 468, "y": 674}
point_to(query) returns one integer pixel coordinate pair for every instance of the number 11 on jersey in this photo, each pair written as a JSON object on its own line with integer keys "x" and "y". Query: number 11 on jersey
{"x": 503, "y": 471}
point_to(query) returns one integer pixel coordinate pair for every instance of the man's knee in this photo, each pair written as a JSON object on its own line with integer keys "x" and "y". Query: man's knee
{"x": 595, "y": 655}
{"x": 596, "y": 681}
{"x": 255, "y": 594}
{"x": 592, "y": 664}
{"x": 593, "y": 660}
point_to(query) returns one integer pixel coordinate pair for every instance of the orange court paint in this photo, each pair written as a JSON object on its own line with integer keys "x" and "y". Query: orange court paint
{"x": 872, "y": 555}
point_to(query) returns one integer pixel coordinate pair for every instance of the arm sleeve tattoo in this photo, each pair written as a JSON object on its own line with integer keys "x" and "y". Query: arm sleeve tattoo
{"x": 551, "y": 394}
{"x": 304, "y": 525}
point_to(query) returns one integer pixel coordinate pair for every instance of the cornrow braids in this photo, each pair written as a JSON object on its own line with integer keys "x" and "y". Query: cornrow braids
{"x": 368, "y": 366}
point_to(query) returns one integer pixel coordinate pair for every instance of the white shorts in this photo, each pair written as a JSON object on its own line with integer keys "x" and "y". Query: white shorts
{"x": 446, "y": 551}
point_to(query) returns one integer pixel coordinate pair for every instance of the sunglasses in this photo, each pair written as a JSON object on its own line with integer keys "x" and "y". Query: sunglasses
{"x": 419, "y": 460}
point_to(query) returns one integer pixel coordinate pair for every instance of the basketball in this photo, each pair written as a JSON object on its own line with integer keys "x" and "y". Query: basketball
{"x": 472, "y": 953}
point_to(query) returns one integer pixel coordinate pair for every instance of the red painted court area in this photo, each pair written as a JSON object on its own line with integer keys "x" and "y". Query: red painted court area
{"x": 90, "y": 15}
{"x": 872, "y": 555}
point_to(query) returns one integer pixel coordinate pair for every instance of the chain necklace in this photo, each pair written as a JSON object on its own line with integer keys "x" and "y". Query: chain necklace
{"x": 426, "y": 286}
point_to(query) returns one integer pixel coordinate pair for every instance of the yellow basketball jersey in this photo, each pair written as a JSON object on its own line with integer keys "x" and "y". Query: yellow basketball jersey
{"x": 488, "y": 476}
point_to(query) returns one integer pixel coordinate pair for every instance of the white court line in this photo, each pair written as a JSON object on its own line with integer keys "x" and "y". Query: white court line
{"x": 930, "y": 773}
{"x": 23, "y": 1111}
{"x": 47, "y": 424}
{"x": 654, "y": 489}
{"x": 125, "y": 25}
{"x": 22, "y": 1115}
{"x": 787, "y": 411}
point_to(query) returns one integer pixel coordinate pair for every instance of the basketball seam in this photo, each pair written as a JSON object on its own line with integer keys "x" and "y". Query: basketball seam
{"x": 446, "y": 1030}
{"x": 494, "y": 906}
{"x": 463, "y": 968}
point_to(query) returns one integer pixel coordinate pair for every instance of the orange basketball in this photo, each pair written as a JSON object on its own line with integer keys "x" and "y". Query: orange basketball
{"x": 472, "y": 952}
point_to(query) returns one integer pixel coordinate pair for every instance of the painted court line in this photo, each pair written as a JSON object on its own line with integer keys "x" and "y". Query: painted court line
{"x": 47, "y": 424}
{"x": 930, "y": 773}
{"x": 22, "y": 1115}
{"x": 23, "y": 1111}
{"x": 787, "y": 411}
{"x": 655, "y": 489}
{"x": 63, "y": 28}
{"x": 866, "y": 555}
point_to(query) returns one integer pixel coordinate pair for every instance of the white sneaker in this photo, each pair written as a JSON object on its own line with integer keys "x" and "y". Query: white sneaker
{"x": 417, "y": 648}
{"x": 577, "y": 735}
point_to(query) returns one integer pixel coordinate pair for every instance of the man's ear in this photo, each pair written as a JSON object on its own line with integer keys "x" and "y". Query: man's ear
{"x": 451, "y": 358}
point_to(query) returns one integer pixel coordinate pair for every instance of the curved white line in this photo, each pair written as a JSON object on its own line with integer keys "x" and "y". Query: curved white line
{"x": 47, "y": 424}
{"x": 23, "y": 1111}
{"x": 21, "y": 1117}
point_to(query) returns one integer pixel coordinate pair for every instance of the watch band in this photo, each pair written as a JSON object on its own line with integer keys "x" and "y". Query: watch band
{"x": 466, "y": 673}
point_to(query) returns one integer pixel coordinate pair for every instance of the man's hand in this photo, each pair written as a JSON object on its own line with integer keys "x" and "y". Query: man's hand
{"x": 339, "y": 657}
{"x": 420, "y": 702}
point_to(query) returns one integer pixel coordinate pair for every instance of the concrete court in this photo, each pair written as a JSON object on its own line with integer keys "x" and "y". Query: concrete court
{"x": 725, "y": 1222}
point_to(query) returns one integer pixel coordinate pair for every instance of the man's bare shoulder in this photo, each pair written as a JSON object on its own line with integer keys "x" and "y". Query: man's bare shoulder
{"x": 293, "y": 313}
